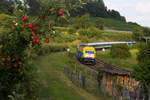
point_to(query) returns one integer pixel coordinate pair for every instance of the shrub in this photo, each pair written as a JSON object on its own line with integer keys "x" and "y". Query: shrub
{"x": 120, "y": 51}
{"x": 137, "y": 33}
{"x": 94, "y": 32}
{"x": 82, "y": 22}
{"x": 99, "y": 23}
{"x": 90, "y": 32}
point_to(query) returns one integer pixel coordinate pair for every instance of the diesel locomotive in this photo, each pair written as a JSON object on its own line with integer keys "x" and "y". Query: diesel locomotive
{"x": 86, "y": 54}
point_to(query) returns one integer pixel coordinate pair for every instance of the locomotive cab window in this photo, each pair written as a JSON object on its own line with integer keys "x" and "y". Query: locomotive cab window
{"x": 89, "y": 52}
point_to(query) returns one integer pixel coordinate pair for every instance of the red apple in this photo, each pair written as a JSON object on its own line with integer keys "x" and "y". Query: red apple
{"x": 15, "y": 65}
{"x": 47, "y": 40}
{"x": 60, "y": 12}
{"x": 37, "y": 41}
{"x": 25, "y": 18}
{"x": 3, "y": 59}
{"x": 12, "y": 27}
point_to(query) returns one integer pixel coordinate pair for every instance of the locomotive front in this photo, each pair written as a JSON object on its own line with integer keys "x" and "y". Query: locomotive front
{"x": 86, "y": 54}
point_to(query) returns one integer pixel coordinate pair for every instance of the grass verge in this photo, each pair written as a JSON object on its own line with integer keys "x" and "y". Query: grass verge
{"x": 128, "y": 63}
{"x": 54, "y": 84}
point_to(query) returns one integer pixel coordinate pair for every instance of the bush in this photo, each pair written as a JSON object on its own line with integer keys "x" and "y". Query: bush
{"x": 94, "y": 32}
{"x": 137, "y": 33}
{"x": 120, "y": 51}
{"x": 99, "y": 23}
{"x": 90, "y": 32}
{"x": 82, "y": 22}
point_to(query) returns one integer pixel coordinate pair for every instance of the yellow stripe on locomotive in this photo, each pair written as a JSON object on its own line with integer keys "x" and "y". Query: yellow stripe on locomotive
{"x": 86, "y": 54}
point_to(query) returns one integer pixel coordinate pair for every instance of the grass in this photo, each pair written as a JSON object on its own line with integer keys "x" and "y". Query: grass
{"x": 116, "y": 24}
{"x": 110, "y": 23}
{"x": 119, "y": 25}
{"x": 116, "y": 36}
{"x": 128, "y": 63}
{"x": 54, "y": 84}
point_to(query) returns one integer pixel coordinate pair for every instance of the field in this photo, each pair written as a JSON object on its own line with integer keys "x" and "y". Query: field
{"x": 127, "y": 64}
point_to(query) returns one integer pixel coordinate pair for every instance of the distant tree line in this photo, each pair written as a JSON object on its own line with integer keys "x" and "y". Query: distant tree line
{"x": 97, "y": 8}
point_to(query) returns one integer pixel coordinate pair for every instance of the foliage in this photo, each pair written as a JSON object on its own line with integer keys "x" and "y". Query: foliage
{"x": 4, "y": 21}
{"x": 137, "y": 33}
{"x": 99, "y": 23}
{"x": 120, "y": 51}
{"x": 34, "y": 7}
{"x": 146, "y": 31}
{"x": 24, "y": 33}
{"x": 98, "y": 9}
{"x": 142, "y": 71}
{"x": 82, "y": 22}
{"x": 6, "y": 6}
{"x": 116, "y": 15}
{"x": 90, "y": 32}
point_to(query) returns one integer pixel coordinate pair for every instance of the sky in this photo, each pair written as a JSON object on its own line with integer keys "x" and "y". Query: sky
{"x": 134, "y": 10}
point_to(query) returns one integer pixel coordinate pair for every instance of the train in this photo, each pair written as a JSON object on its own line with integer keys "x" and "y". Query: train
{"x": 86, "y": 54}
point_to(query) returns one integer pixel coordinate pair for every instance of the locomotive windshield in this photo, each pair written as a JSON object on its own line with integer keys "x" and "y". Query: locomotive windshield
{"x": 89, "y": 52}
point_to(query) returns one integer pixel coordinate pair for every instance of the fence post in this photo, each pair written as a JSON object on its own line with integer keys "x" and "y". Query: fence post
{"x": 83, "y": 81}
{"x": 71, "y": 75}
{"x": 103, "y": 85}
{"x": 80, "y": 78}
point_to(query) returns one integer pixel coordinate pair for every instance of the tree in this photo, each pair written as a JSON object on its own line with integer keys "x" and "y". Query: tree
{"x": 96, "y": 9}
{"x": 24, "y": 34}
{"x": 142, "y": 71}
{"x": 82, "y": 22}
{"x": 90, "y": 32}
{"x": 146, "y": 31}
{"x": 34, "y": 6}
{"x": 99, "y": 23}
{"x": 137, "y": 33}
{"x": 6, "y": 6}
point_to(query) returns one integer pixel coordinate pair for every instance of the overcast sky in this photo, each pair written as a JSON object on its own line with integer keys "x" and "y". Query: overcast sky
{"x": 134, "y": 10}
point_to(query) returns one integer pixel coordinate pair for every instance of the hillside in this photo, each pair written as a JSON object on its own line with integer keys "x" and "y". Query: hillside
{"x": 112, "y": 18}
{"x": 110, "y": 23}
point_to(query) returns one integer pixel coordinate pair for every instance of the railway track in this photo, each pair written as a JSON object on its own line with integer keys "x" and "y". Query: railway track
{"x": 105, "y": 67}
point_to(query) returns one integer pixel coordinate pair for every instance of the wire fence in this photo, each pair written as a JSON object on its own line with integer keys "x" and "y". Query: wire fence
{"x": 88, "y": 82}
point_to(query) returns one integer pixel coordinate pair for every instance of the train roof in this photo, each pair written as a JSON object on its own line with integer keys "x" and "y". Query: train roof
{"x": 105, "y": 43}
